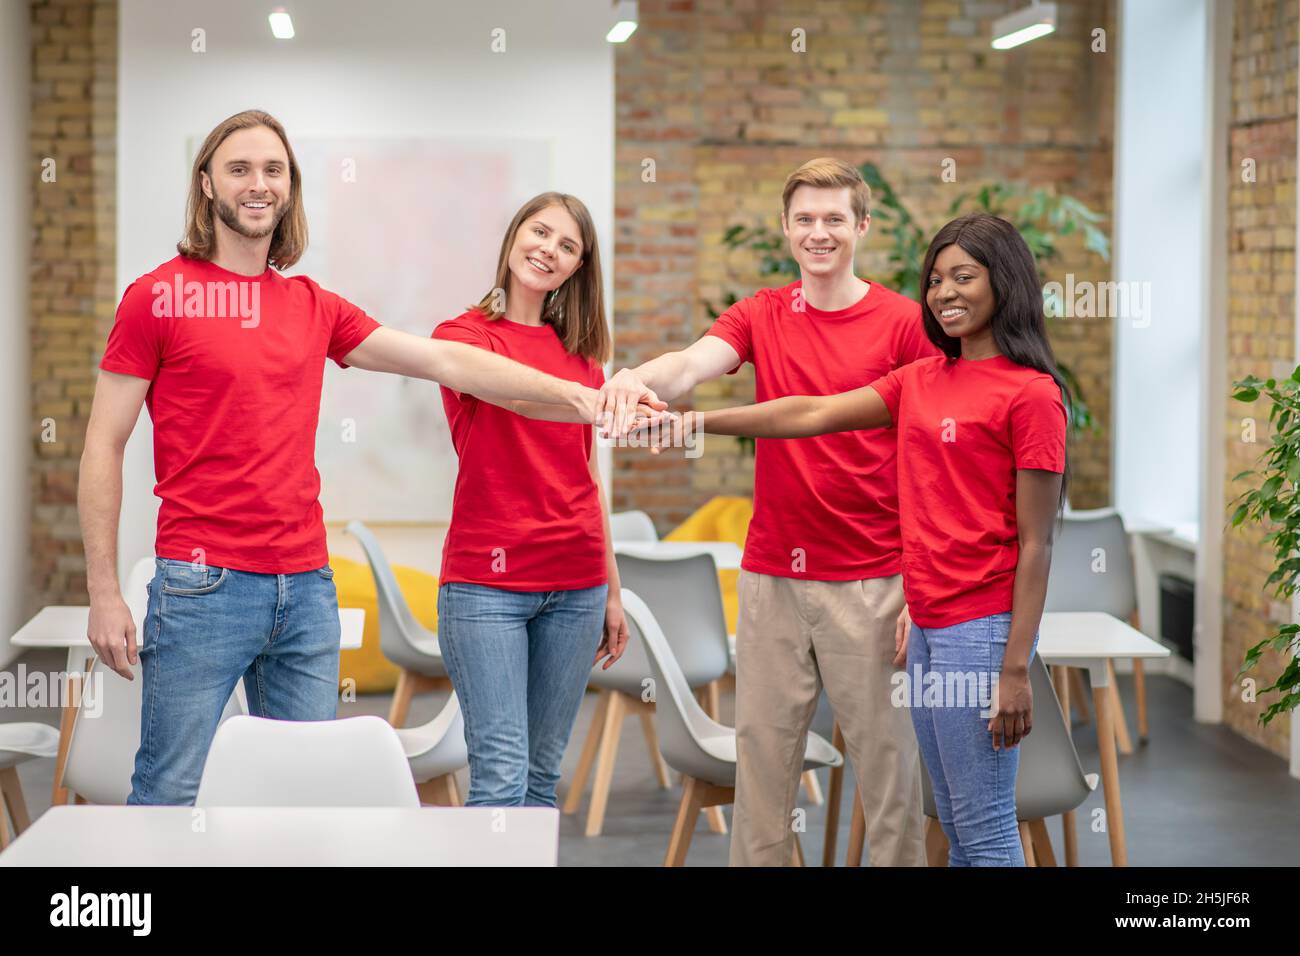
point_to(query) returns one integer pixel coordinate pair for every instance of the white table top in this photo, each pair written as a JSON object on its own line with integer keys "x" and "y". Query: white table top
{"x": 62, "y": 625}
{"x": 725, "y": 554}
{"x": 288, "y": 836}
{"x": 1092, "y": 635}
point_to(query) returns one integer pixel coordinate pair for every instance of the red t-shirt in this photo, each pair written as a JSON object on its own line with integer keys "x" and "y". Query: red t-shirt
{"x": 825, "y": 508}
{"x": 235, "y": 365}
{"x": 526, "y": 513}
{"x": 964, "y": 429}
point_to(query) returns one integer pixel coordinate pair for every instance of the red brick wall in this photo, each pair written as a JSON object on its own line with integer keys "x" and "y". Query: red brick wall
{"x": 713, "y": 93}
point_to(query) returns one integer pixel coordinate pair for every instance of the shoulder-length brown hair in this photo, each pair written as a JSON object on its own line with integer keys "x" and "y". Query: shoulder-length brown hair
{"x": 577, "y": 308}
{"x": 290, "y": 239}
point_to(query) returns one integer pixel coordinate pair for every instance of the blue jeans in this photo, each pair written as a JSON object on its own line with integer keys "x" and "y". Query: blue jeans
{"x": 974, "y": 785}
{"x": 519, "y": 661}
{"x": 207, "y": 627}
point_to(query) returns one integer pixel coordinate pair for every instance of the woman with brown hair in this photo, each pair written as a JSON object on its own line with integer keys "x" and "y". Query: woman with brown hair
{"x": 529, "y": 591}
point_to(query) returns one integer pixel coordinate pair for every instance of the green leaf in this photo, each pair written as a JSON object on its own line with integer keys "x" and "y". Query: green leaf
{"x": 1246, "y": 395}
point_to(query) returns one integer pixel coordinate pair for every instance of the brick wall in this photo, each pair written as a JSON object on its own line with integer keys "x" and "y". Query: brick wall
{"x": 73, "y": 294}
{"x": 1261, "y": 317}
{"x": 713, "y": 93}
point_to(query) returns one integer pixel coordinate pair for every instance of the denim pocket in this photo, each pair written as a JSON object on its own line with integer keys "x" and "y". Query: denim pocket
{"x": 326, "y": 572}
{"x": 186, "y": 579}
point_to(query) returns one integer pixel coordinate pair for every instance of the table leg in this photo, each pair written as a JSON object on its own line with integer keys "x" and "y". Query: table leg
{"x": 1117, "y": 714}
{"x": 60, "y": 794}
{"x": 1110, "y": 775}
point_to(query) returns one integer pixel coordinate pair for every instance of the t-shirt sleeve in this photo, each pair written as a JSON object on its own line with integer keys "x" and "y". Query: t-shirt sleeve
{"x": 736, "y": 327}
{"x": 890, "y": 388}
{"x": 1037, "y": 419}
{"x": 913, "y": 343}
{"x": 457, "y": 330}
{"x": 351, "y": 327}
{"x": 137, "y": 338}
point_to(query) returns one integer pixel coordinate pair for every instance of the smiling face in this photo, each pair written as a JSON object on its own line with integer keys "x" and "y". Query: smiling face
{"x": 823, "y": 235}
{"x": 547, "y": 249}
{"x": 959, "y": 293}
{"x": 249, "y": 182}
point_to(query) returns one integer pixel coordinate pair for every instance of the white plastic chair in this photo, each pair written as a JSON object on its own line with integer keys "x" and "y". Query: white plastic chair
{"x": 632, "y": 526}
{"x": 18, "y": 744}
{"x": 684, "y": 596}
{"x": 435, "y": 751}
{"x": 354, "y": 762}
{"x": 703, "y": 750}
{"x": 403, "y": 640}
{"x": 106, "y": 732}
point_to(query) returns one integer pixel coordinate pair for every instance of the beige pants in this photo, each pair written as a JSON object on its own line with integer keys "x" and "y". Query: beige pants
{"x": 793, "y": 636}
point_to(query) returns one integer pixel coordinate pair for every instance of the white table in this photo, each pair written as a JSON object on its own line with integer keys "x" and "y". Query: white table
{"x": 288, "y": 836}
{"x": 725, "y": 554}
{"x": 65, "y": 626}
{"x": 1091, "y": 640}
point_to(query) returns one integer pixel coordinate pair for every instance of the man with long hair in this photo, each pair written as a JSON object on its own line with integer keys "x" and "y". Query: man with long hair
{"x": 229, "y": 356}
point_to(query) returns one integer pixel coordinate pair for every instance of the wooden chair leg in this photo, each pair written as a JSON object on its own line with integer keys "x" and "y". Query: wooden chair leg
{"x": 796, "y": 855}
{"x": 453, "y": 792}
{"x": 611, "y": 727}
{"x": 1070, "y": 839}
{"x": 1027, "y": 844}
{"x": 5, "y": 836}
{"x": 936, "y": 843}
{"x": 1079, "y": 694}
{"x": 812, "y": 786}
{"x": 1061, "y": 683}
{"x": 401, "y": 705}
{"x": 652, "y": 744}
{"x": 1043, "y": 853}
{"x": 573, "y": 799}
{"x": 59, "y": 796}
{"x": 79, "y": 800}
{"x": 857, "y": 833}
{"x": 688, "y": 812}
{"x": 439, "y": 792}
{"x": 12, "y": 790}
{"x": 834, "y": 794}
{"x": 1140, "y": 691}
{"x": 1120, "y": 722}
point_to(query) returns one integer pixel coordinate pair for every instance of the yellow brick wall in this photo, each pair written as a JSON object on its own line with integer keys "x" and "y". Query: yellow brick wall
{"x": 1261, "y": 319}
{"x": 73, "y": 289}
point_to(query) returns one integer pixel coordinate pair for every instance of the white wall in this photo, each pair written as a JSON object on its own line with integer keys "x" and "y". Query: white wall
{"x": 1158, "y": 227}
{"x": 17, "y": 176}
{"x": 380, "y": 69}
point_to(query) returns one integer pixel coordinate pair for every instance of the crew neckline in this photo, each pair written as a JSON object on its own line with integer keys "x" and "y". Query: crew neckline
{"x": 238, "y": 275}
{"x": 866, "y": 299}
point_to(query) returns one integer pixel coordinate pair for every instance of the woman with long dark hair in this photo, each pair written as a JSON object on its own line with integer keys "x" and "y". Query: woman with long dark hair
{"x": 981, "y": 476}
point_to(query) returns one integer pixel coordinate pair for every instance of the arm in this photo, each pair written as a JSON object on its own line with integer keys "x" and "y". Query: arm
{"x": 666, "y": 377}
{"x": 615, "y": 637}
{"x": 113, "y": 415}
{"x": 467, "y": 368}
{"x": 1037, "y": 496}
{"x": 796, "y": 416}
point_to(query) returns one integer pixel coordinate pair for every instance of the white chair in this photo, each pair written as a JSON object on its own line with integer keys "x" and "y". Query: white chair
{"x": 684, "y": 596}
{"x": 1050, "y": 781}
{"x": 632, "y": 526}
{"x": 402, "y": 639}
{"x": 354, "y": 762}
{"x": 18, "y": 744}
{"x": 1077, "y": 582}
{"x": 703, "y": 750}
{"x": 435, "y": 751}
{"x": 106, "y": 731}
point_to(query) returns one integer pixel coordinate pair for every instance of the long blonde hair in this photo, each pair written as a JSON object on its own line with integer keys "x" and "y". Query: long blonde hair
{"x": 200, "y": 240}
{"x": 577, "y": 308}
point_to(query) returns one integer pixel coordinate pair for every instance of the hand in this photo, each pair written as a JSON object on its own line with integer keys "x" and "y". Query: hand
{"x": 902, "y": 631}
{"x": 112, "y": 634}
{"x": 1013, "y": 705}
{"x": 667, "y": 430}
{"x": 614, "y": 642}
{"x": 619, "y": 398}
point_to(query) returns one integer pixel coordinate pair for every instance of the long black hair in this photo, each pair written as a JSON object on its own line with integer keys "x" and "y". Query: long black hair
{"x": 1018, "y": 323}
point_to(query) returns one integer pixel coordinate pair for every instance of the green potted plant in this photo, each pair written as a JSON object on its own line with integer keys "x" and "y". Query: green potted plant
{"x": 1275, "y": 498}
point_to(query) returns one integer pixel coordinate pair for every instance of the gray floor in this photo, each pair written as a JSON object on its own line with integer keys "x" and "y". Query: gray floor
{"x": 1195, "y": 795}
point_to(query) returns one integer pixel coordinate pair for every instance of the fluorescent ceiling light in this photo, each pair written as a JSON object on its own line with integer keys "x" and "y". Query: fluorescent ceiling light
{"x": 281, "y": 24}
{"x": 625, "y": 15}
{"x": 1028, "y": 23}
